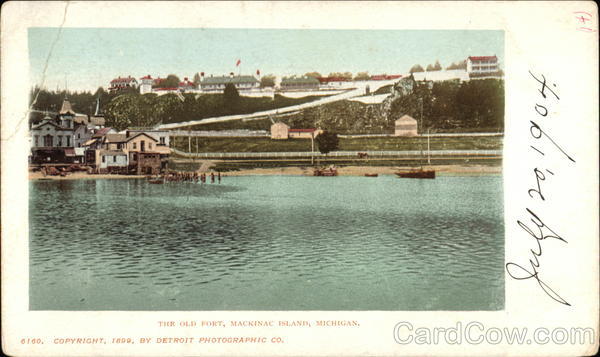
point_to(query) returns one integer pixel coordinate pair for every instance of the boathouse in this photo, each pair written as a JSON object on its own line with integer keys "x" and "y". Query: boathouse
{"x": 111, "y": 161}
{"x": 406, "y": 126}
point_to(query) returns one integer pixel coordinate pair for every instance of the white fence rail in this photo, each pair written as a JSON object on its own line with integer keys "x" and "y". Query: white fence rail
{"x": 408, "y": 153}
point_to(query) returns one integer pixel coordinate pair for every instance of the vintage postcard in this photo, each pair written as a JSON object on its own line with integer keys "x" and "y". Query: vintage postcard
{"x": 299, "y": 178}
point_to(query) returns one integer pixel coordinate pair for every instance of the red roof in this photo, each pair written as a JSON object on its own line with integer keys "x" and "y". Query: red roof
{"x": 483, "y": 58}
{"x": 301, "y": 130}
{"x": 122, "y": 80}
{"x": 166, "y": 88}
{"x": 147, "y": 77}
{"x": 101, "y": 132}
{"x": 383, "y": 77}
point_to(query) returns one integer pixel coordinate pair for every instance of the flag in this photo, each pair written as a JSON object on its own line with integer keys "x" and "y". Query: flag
{"x": 258, "y": 72}
{"x": 238, "y": 62}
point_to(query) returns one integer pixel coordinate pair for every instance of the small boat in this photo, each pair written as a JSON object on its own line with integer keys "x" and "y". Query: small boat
{"x": 371, "y": 175}
{"x": 156, "y": 180}
{"x": 422, "y": 174}
{"x": 325, "y": 172}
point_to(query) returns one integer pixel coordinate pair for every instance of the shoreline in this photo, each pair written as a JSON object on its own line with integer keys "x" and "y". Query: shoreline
{"x": 443, "y": 170}
{"x": 37, "y": 176}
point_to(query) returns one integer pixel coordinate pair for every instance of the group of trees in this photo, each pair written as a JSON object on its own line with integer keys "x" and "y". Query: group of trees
{"x": 81, "y": 102}
{"x": 430, "y": 68}
{"x": 449, "y": 106}
{"x": 150, "y": 109}
{"x": 172, "y": 81}
{"x": 454, "y": 106}
{"x": 476, "y": 105}
{"x": 458, "y": 65}
{"x": 438, "y": 67}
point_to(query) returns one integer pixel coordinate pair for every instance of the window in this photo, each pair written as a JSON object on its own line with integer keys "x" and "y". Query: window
{"x": 115, "y": 158}
{"x": 36, "y": 138}
{"x": 103, "y": 158}
{"x": 68, "y": 141}
{"x": 162, "y": 140}
{"x": 134, "y": 146}
{"x": 59, "y": 140}
{"x": 150, "y": 146}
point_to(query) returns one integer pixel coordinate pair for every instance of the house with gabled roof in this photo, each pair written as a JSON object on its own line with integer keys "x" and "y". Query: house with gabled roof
{"x": 144, "y": 154}
{"x": 122, "y": 83}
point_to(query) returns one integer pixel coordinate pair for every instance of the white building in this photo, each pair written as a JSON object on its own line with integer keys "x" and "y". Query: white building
{"x": 406, "y": 126}
{"x": 217, "y": 84}
{"x": 279, "y": 130}
{"x": 146, "y": 84}
{"x": 122, "y": 83}
{"x": 111, "y": 159}
{"x": 161, "y": 136}
{"x": 48, "y": 134}
{"x": 482, "y": 66}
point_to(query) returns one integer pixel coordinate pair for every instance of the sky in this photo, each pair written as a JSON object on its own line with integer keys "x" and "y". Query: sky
{"x": 87, "y": 58}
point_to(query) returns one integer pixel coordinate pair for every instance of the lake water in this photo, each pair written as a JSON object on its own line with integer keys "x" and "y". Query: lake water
{"x": 268, "y": 243}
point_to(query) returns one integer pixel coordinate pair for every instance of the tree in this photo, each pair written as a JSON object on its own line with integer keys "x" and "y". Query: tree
{"x": 416, "y": 68}
{"x": 123, "y": 112}
{"x": 345, "y": 75}
{"x": 313, "y": 74}
{"x": 267, "y": 81}
{"x": 458, "y": 65}
{"x": 362, "y": 76}
{"x": 436, "y": 67}
{"x": 327, "y": 142}
{"x": 231, "y": 97}
{"x": 165, "y": 108}
{"x": 172, "y": 81}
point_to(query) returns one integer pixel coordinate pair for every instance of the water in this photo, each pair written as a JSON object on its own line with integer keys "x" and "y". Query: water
{"x": 268, "y": 243}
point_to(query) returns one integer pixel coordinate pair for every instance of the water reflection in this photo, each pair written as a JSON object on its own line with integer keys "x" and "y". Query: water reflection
{"x": 268, "y": 243}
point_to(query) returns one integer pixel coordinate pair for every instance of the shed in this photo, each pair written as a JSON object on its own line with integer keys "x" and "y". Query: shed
{"x": 406, "y": 126}
{"x": 279, "y": 131}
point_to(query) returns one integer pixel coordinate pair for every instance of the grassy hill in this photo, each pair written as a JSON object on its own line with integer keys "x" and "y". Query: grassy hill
{"x": 252, "y": 144}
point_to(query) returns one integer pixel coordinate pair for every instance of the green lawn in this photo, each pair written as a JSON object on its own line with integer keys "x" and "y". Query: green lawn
{"x": 206, "y": 144}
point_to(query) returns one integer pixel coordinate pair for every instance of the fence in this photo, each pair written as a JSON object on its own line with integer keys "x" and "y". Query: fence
{"x": 408, "y": 153}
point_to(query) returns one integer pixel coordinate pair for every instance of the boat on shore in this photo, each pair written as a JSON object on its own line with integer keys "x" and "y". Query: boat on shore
{"x": 332, "y": 171}
{"x": 371, "y": 175}
{"x": 420, "y": 174}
